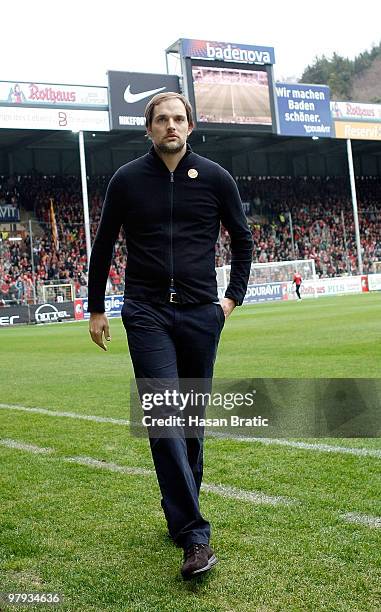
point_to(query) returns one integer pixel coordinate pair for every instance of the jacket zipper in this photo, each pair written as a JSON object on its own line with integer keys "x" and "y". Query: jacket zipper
{"x": 172, "y": 180}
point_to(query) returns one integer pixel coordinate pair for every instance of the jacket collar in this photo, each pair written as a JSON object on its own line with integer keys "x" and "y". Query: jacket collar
{"x": 155, "y": 156}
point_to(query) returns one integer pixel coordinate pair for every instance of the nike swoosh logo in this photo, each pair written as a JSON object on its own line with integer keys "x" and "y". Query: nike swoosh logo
{"x": 130, "y": 98}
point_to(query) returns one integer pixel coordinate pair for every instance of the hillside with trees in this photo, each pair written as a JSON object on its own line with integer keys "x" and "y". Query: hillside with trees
{"x": 358, "y": 79}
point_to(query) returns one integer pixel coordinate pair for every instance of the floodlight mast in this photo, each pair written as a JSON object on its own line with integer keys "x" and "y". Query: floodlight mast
{"x": 354, "y": 204}
{"x": 85, "y": 199}
{"x": 32, "y": 261}
{"x": 175, "y": 50}
{"x": 172, "y": 49}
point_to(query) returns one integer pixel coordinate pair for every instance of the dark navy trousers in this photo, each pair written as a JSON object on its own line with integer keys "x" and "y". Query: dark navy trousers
{"x": 174, "y": 341}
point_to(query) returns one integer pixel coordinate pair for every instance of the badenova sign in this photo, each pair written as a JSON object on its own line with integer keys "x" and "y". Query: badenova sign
{"x": 227, "y": 52}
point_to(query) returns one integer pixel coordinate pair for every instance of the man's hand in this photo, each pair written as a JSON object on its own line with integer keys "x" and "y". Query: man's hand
{"x": 228, "y": 306}
{"x": 98, "y": 326}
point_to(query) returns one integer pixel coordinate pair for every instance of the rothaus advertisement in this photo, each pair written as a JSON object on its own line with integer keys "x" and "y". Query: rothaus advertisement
{"x": 356, "y": 120}
{"x": 52, "y": 94}
{"x": 355, "y": 111}
{"x": 129, "y": 94}
{"x": 53, "y": 106}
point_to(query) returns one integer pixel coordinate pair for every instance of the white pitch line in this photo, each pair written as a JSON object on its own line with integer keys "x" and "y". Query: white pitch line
{"x": 70, "y": 415}
{"x": 239, "y": 494}
{"x": 325, "y": 448}
{"x": 362, "y": 519}
{"x": 221, "y": 490}
{"x": 31, "y": 448}
{"x": 251, "y": 496}
{"x": 112, "y": 467}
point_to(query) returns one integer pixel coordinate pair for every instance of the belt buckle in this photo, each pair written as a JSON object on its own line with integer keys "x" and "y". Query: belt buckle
{"x": 172, "y": 298}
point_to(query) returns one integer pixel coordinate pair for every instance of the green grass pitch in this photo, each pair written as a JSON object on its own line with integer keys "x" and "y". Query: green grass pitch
{"x": 98, "y": 536}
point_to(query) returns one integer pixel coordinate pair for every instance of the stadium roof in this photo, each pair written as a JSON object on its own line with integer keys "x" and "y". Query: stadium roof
{"x": 213, "y": 144}
{"x": 16, "y": 140}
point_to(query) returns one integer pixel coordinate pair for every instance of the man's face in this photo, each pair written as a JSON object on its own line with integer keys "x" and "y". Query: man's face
{"x": 170, "y": 128}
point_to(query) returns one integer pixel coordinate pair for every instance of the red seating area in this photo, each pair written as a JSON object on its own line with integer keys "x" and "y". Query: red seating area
{"x": 320, "y": 209}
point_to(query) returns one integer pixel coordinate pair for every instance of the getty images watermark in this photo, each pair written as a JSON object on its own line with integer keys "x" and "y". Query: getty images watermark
{"x": 256, "y": 407}
{"x": 188, "y": 404}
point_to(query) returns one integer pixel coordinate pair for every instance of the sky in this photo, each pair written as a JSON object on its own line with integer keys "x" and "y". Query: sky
{"x": 78, "y": 41}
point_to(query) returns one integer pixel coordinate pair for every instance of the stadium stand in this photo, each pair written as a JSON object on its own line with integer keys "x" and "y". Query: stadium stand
{"x": 320, "y": 209}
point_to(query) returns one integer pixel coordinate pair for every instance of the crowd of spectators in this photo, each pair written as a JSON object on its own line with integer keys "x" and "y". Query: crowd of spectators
{"x": 320, "y": 212}
{"x": 319, "y": 209}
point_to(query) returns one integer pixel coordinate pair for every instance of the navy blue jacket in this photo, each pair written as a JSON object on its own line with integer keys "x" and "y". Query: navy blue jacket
{"x": 171, "y": 222}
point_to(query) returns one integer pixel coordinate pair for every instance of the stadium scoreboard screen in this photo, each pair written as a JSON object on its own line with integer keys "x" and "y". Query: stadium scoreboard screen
{"x": 229, "y": 86}
{"x": 231, "y": 95}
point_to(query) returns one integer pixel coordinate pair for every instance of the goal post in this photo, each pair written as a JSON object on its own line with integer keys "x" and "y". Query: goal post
{"x": 376, "y": 267}
{"x": 270, "y": 272}
{"x": 58, "y": 292}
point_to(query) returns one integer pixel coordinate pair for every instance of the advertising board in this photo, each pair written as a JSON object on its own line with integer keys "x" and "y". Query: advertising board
{"x": 303, "y": 110}
{"x": 355, "y": 111}
{"x": 356, "y": 120}
{"x": 227, "y": 52}
{"x": 9, "y": 213}
{"x": 52, "y": 94}
{"x": 12, "y": 315}
{"x": 374, "y": 282}
{"x": 264, "y": 293}
{"x": 51, "y": 313}
{"x": 113, "y": 306}
{"x": 22, "y": 118}
{"x": 38, "y": 313}
{"x": 339, "y": 285}
{"x": 129, "y": 94}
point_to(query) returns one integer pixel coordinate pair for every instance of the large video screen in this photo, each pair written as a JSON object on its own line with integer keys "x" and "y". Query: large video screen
{"x": 227, "y": 95}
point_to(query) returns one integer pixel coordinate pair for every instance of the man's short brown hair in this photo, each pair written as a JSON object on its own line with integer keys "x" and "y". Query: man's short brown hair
{"x": 161, "y": 97}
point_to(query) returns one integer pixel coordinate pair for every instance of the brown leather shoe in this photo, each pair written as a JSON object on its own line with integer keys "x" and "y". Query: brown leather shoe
{"x": 198, "y": 558}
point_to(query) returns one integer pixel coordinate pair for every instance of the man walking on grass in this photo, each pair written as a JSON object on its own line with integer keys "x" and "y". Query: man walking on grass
{"x": 171, "y": 202}
{"x": 298, "y": 282}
